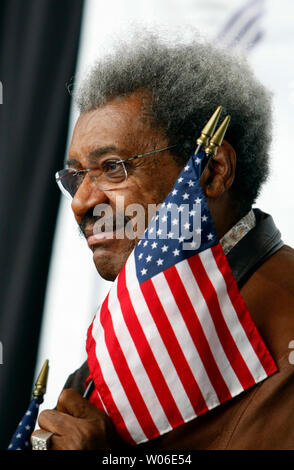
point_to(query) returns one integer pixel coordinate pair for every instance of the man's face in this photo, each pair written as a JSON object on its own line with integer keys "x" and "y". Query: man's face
{"x": 119, "y": 128}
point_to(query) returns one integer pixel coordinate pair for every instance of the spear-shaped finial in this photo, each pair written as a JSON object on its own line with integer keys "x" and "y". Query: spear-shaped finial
{"x": 41, "y": 382}
{"x": 208, "y": 129}
{"x": 217, "y": 138}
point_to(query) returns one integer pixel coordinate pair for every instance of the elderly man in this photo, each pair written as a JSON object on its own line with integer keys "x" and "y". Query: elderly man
{"x": 153, "y": 98}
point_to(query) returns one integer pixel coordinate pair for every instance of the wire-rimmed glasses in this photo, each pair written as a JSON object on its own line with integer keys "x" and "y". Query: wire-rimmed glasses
{"x": 109, "y": 174}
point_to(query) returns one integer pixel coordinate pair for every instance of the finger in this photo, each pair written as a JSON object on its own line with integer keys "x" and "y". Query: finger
{"x": 55, "y": 421}
{"x": 61, "y": 443}
{"x": 73, "y": 403}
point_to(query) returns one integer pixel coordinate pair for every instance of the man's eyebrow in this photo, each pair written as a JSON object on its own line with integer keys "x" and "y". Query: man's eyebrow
{"x": 96, "y": 153}
{"x": 72, "y": 162}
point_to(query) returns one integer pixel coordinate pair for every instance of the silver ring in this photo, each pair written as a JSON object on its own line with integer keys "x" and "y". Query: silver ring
{"x": 41, "y": 440}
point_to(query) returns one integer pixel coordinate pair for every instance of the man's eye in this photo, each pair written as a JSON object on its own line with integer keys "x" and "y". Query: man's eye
{"x": 110, "y": 166}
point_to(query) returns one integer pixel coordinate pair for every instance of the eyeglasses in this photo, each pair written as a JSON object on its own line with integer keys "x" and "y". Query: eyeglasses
{"x": 110, "y": 173}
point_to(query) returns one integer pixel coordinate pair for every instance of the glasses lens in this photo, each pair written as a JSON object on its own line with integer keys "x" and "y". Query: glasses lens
{"x": 68, "y": 181}
{"x": 111, "y": 173}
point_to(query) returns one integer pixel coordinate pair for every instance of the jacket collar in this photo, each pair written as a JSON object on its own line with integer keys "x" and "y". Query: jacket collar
{"x": 255, "y": 247}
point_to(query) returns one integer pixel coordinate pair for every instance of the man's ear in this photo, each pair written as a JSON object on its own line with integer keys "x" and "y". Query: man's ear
{"x": 219, "y": 174}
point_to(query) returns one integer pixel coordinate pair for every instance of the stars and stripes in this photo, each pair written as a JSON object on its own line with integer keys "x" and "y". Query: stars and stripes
{"x": 21, "y": 438}
{"x": 179, "y": 226}
{"x": 173, "y": 338}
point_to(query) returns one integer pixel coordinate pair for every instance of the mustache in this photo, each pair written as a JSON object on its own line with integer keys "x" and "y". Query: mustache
{"x": 110, "y": 224}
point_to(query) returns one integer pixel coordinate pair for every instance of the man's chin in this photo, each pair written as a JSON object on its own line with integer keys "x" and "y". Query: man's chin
{"x": 109, "y": 262}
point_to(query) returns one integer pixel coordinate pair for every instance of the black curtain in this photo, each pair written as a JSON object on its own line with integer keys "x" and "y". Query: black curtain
{"x": 38, "y": 50}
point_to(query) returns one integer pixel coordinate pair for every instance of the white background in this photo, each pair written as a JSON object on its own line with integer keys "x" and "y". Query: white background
{"x": 74, "y": 288}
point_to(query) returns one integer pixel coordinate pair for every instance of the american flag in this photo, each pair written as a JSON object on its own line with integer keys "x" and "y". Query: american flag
{"x": 21, "y": 438}
{"x": 173, "y": 338}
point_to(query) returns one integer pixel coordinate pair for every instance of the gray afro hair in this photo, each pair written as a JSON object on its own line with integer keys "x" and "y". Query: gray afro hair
{"x": 186, "y": 82}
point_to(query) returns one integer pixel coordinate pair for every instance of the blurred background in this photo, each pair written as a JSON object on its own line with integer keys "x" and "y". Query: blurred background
{"x": 49, "y": 287}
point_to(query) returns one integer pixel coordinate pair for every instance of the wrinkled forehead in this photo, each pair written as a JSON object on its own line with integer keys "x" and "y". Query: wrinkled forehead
{"x": 124, "y": 122}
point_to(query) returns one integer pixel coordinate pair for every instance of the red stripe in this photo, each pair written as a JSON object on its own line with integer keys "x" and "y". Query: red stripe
{"x": 94, "y": 397}
{"x": 230, "y": 348}
{"x": 125, "y": 375}
{"x": 173, "y": 347}
{"x": 145, "y": 352}
{"x": 194, "y": 327}
{"x": 103, "y": 388}
{"x": 243, "y": 313}
{"x": 95, "y": 400}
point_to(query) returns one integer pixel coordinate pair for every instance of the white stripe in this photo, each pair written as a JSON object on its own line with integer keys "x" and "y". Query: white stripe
{"x": 134, "y": 362}
{"x": 156, "y": 344}
{"x": 231, "y": 318}
{"x": 113, "y": 382}
{"x": 184, "y": 338}
{"x": 204, "y": 316}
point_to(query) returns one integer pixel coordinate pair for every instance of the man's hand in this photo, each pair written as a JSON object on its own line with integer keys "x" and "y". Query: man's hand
{"x": 78, "y": 425}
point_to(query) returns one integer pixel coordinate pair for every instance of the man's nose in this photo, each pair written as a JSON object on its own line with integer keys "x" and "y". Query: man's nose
{"x": 87, "y": 197}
